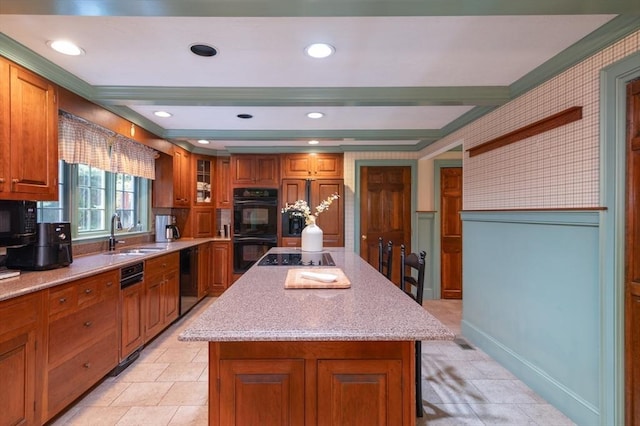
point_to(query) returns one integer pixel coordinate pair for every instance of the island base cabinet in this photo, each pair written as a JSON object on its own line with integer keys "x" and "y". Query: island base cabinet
{"x": 312, "y": 383}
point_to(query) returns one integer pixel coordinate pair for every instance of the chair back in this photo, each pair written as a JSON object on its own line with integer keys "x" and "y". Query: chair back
{"x": 414, "y": 287}
{"x": 385, "y": 258}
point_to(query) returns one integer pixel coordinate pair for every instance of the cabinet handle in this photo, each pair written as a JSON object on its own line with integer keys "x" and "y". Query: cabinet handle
{"x": 88, "y": 324}
{"x": 1, "y": 180}
{"x": 62, "y": 300}
{"x": 87, "y": 365}
{"x": 87, "y": 291}
{"x": 109, "y": 284}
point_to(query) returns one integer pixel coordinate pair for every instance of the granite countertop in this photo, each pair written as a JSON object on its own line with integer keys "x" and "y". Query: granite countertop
{"x": 257, "y": 307}
{"x": 85, "y": 266}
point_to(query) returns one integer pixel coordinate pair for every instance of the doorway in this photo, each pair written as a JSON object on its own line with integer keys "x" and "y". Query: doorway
{"x": 632, "y": 258}
{"x": 385, "y": 211}
{"x": 450, "y": 233}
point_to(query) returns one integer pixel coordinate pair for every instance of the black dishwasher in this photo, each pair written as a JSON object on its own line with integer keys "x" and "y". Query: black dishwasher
{"x": 188, "y": 279}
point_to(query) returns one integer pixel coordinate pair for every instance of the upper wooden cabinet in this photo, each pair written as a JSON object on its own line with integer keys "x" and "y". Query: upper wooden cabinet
{"x": 255, "y": 170}
{"x": 28, "y": 135}
{"x": 172, "y": 186}
{"x": 316, "y": 165}
{"x": 203, "y": 169}
{"x": 224, "y": 197}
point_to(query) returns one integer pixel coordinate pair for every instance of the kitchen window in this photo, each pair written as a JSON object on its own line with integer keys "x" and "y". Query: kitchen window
{"x": 89, "y": 196}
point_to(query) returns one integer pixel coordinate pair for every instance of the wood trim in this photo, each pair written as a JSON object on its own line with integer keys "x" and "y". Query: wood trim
{"x": 559, "y": 209}
{"x": 553, "y": 121}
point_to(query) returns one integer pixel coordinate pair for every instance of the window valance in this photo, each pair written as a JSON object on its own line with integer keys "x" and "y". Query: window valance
{"x": 80, "y": 141}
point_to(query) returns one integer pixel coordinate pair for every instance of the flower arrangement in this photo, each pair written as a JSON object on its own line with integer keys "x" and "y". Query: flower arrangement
{"x": 301, "y": 208}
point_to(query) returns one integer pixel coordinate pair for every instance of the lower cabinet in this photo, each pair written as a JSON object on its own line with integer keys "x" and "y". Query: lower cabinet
{"x": 162, "y": 293}
{"x": 83, "y": 338}
{"x": 221, "y": 265}
{"x": 320, "y": 383}
{"x": 21, "y": 326}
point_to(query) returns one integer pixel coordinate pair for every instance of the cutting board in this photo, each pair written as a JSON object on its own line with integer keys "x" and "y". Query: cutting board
{"x": 294, "y": 280}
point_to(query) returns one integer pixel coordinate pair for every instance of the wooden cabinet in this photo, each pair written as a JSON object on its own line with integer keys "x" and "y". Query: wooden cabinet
{"x": 221, "y": 267}
{"x": 162, "y": 293}
{"x": 201, "y": 222}
{"x": 21, "y": 356}
{"x": 255, "y": 170}
{"x": 275, "y": 386}
{"x": 172, "y": 186}
{"x": 224, "y": 197}
{"x": 28, "y": 135}
{"x": 204, "y": 269}
{"x": 314, "y": 165}
{"x": 203, "y": 168}
{"x": 131, "y": 324}
{"x": 331, "y": 221}
{"x": 83, "y": 337}
{"x": 320, "y": 383}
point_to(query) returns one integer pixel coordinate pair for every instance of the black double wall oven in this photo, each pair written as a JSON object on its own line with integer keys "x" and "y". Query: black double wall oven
{"x": 255, "y": 225}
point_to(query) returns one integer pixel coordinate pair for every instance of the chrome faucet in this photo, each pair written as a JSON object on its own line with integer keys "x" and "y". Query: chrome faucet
{"x": 115, "y": 222}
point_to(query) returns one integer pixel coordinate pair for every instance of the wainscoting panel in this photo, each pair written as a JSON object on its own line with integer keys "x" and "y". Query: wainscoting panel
{"x": 532, "y": 301}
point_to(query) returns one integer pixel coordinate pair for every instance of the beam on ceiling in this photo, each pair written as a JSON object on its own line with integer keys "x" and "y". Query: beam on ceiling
{"x": 302, "y": 96}
{"x": 316, "y": 8}
{"x": 275, "y": 135}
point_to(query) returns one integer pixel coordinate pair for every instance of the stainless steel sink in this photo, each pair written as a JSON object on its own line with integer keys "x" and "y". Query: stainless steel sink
{"x": 135, "y": 251}
{"x": 123, "y": 253}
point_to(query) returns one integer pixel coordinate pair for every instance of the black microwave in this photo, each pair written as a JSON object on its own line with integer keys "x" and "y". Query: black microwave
{"x": 18, "y": 221}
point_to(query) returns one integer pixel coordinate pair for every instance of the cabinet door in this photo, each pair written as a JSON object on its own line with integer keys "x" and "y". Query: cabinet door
{"x": 204, "y": 269}
{"x": 20, "y": 328}
{"x": 242, "y": 168}
{"x": 360, "y": 392}
{"x": 331, "y": 221}
{"x": 223, "y": 183}
{"x": 131, "y": 326}
{"x": 328, "y": 166}
{"x": 202, "y": 222}
{"x": 221, "y": 268}
{"x": 267, "y": 171}
{"x": 153, "y": 313}
{"x": 203, "y": 184}
{"x": 171, "y": 295}
{"x": 5, "y": 126}
{"x": 34, "y": 136}
{"x": 262, "y": 392}
{"x": 293, "y": 190}
{"x": 181, "y": 178}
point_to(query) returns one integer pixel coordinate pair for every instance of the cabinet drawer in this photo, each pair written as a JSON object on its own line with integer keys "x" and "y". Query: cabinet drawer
{"x": 88, "y": 292}
{"x": 20, "y": 312}
{"x": 76, "y": 375}
{"x": 165, "y": 262}
{"x": 62, "y": 299}
{"x": 68, "y": 334}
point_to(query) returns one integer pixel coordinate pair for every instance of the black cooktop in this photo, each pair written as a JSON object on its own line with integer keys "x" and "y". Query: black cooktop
{"x": 297, "y": 259}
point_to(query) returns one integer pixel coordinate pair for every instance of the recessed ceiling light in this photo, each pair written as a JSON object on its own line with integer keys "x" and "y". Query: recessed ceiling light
{"x": 203, "y": 50}
{"x": 203, "y": 141}
{"x": 65, "y": 47}
{"x": 163, "y": 114}
{"x": 319, "y": 50}
{"x": 313, "y": 142}
{"x": 315, "y": 115}
{"x": 245, "y": 116}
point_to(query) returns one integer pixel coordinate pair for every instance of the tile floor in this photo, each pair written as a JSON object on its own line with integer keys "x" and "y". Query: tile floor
{"x": 167, "y": 385}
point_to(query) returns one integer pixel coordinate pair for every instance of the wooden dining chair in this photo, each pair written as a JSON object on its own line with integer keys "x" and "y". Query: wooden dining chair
{"x": 385, "y": 258}
{"x": 414, "y": 288}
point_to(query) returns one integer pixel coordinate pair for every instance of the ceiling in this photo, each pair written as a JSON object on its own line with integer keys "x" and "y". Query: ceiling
{"x": 405, "y": 73}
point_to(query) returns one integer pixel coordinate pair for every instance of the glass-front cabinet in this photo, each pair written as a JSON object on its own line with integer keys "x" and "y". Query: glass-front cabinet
{"x": 204, "y": 179}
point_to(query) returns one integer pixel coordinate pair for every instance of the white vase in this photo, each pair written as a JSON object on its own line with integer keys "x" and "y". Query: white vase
{"x": 312, "y": 236}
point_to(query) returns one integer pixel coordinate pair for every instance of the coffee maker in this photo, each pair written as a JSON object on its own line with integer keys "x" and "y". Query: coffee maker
{"x": 166, "y": 228}
{"x": 52, "y": 249}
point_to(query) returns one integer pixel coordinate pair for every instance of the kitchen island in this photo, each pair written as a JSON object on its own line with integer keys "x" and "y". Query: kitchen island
{"x": 313, "y": 356}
